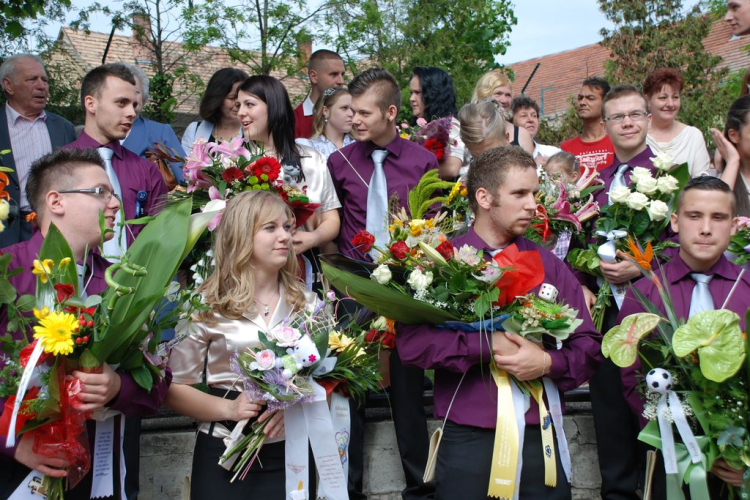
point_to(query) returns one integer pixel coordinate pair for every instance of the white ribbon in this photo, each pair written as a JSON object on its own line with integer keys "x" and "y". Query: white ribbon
{"x": 341, "y": 421}
{"x": 23, "y": 386}
{"x": 672, "y": 401}
{"x": 608, "y": 253}
{"x": 312, "y": 422}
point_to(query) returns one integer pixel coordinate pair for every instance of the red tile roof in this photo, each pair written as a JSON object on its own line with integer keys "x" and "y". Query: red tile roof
{"x": 561, "y": 74}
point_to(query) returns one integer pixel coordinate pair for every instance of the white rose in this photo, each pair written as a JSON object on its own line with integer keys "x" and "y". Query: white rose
{"x": 658, "y": 210}
{"x": 647, "y": 185}
{"x": 381, "y": 274}
{"x": 619, "y": 194}
{"x": 667, "y": 184}
{"x": 637, "y": 201}
{"x": 662, "y": 161}
{"x": 639, "y": 173}
{"x": 380, "y": 324}
{"x": 419, "y": 280}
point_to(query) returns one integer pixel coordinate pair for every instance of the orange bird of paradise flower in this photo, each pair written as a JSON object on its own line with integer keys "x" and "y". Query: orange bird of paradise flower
{"x": 642, "y": 258}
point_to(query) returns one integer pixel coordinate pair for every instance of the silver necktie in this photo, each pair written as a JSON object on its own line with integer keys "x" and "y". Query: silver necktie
{"x": 377, "y": 201}
{"x": 115, "y": 247}
{"x": 701, "y": 300}
{"x": 619, "y": 179}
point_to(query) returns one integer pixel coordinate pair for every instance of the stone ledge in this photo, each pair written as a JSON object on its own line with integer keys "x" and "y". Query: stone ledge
{"x": 166, "y": 458}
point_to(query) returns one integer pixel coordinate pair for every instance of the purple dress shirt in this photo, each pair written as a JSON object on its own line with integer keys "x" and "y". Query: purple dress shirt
{"x": 132, "y": 399}
{"x": 135, "y": 174}
{"x": 642, "y": 159}
{"x": 404, "y": 166}
{"x": 451, "y": 353}
{"x": 676, "y": 276}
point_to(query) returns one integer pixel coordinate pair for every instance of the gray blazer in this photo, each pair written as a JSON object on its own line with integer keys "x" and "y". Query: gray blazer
{"x": 61, "y": 132}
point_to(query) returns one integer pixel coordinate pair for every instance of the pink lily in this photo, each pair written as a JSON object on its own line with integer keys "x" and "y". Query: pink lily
{"x": 588, "y": 210}
{"x": 231, "y": 149}
{"x": 589, "y": 177}
{"x": 743, "y": 222}
{"x": 563, "y": 213}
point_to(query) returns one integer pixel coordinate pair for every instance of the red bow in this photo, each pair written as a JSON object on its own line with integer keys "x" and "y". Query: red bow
{"x": 525, "y": 272}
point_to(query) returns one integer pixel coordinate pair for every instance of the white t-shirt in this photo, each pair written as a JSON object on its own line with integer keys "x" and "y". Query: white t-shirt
{"x": 687, "y": 147}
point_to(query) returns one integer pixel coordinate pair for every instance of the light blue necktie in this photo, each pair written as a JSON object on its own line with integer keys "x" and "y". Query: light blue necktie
{"x": 701, "y": 300}
{"x": 619, "y": 179}
{"x": 118, "y": 244}
{"x": 377, "y": 201}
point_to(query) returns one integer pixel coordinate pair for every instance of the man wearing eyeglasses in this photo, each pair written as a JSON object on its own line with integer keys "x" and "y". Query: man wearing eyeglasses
{"x": 69, "y": 188}
{"x": 627, "y": 119}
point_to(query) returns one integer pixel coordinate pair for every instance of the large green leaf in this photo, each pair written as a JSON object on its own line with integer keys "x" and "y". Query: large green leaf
{"x": 56, "y": 247}
{"x": 383, "y": 300}
{"x": 158, "y": 248}
{"x": 717, "y": 337}
{"x": 620, "y": 344}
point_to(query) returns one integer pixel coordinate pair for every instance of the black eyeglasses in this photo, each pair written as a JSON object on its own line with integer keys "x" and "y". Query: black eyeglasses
{"x": 97, "y": 191}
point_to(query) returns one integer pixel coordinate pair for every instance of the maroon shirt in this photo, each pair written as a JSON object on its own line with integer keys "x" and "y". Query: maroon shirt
{"x": 642, "y": 159}
{"x": 303, "y": 125}
{"x": 132, "y": 399}
{"x": 404, "y": 166}
{"x": 135, "y": 174}
{"x": 451, "y": 353}
{"x": 675, "y": 275}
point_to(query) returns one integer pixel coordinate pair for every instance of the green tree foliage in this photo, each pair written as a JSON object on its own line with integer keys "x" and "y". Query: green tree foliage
{"x": 460, "y": 36}
{"x": 13, "y": 13}
{"x": 156, "y": 26}
{"x": 651, "y": 34}
{"x": 264, "y": 35}
{"x": 556, "y": 129}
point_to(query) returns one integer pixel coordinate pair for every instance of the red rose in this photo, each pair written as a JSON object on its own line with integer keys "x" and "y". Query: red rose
{"x": 435, "y": 147}
{"x": 399, "y": 250}
{"x": 445, "y": 249}
{"x": 372, "y": 335}
{"x": 363, "y": 241}
{"x": 64, "y": 292}
{"x": 232, "y": 174}
{"x": 266, "y": 166}
{"x": 388, "y": 341}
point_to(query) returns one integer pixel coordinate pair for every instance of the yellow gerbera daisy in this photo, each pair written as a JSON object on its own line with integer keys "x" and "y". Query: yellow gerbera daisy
{"x": 55, "y": 332}
{"x": 43, "y": 269}
{"x": 339, "y": 342}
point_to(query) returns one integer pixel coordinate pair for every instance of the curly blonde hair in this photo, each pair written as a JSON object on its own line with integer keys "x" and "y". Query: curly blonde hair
{"x": 230, "y": 290}
{"x": 489, "y": 82}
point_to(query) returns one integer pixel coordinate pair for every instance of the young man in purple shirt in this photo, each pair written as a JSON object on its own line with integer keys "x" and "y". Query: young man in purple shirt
{"x": 626, "y": 117}
{"x": 366, "y": 192}
{"x": 502, "y": 183}
{"x": 109, "y": 99}
{"x": 59, "y": 190}
{"x": 704, "y": 221}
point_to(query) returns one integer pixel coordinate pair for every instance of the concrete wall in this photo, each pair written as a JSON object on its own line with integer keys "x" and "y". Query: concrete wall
{"x": 166, "y": 458}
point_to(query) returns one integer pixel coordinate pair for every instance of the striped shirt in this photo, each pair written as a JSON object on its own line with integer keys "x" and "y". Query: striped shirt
{"x": 29, "y": 141}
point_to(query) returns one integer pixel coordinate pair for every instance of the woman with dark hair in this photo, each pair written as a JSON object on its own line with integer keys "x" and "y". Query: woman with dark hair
{"x": 218, "y": 110}
{"x": 733, "y": 152}
{"x": 685, "y": 144}
{"x": 332, "y": 122}
{"x": 431, "y": 96}
{"x": 267, "y": 119}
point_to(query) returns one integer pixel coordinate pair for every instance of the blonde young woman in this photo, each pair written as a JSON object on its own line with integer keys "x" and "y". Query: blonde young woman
{"x": 496, "y": 85}
{"x": 482, "y": 127}
{"x": 254, "y": 286}
{"x": 332, "y": 122}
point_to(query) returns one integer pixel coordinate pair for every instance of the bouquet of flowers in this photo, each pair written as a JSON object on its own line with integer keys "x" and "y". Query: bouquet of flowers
{"x": 563, "y": 208}
{"x": 696, "y": 376}
{"x": 434, "y": 135}
{"x": 71, "y": 333}
{"x": 739, "y": 245}
{"x": 640, "y": 211}
{"x": 310, "y": 357}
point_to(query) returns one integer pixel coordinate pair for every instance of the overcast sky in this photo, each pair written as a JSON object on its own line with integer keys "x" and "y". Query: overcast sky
{"x": 544, "y": 26}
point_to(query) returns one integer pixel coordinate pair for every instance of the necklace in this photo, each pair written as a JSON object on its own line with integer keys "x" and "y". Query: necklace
{"x": 267, "y": 310}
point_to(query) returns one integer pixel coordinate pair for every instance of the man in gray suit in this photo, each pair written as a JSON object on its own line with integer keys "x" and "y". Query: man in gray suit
{"x": 28, "y": 131}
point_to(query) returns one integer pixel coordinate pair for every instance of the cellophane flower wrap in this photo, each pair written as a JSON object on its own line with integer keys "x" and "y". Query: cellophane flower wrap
{"x": 702, "y": 364}
{"x": 639, "y": 211}
{"x": 312, "y": 346}
{"x": 434, "y": 136}
{"x": 121, "y": 326}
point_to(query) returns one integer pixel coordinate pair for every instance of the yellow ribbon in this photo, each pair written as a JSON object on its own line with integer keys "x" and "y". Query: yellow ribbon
{"x": 548, "y": 440}
{"x": 505, "y": 453}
